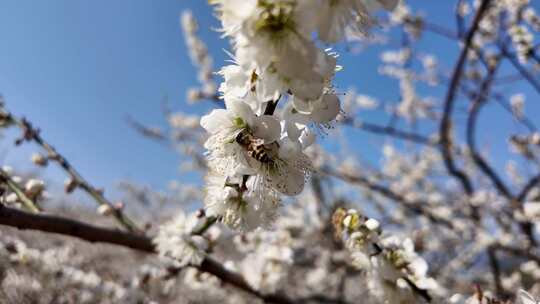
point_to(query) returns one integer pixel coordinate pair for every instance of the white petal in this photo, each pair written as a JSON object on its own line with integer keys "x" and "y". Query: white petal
{"x": 307, "y": 138}
{"x": 266, "y": 127}
{"x": 240, "y": 109}
{"x": 217, "y": 120}
{"x": 301, "y": 105}
{"x": 293, "y": 131}
{"x": 236, "y": 81}
{"x": 289, "y": 149}
{"x": 289, "y": 182}
{"x": 327, "y": 109}
{"x": 308, "y": 89}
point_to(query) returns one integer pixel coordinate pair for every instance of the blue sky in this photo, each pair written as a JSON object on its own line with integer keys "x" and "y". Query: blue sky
{"x": 78, "y": 68}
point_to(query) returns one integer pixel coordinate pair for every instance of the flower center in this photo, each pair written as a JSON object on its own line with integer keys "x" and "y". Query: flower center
{"x": 276, "y": 19}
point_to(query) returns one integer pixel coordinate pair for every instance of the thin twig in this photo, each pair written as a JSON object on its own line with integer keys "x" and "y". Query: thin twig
{"x": 522, "y": 70}
{"x": 471, "y": 130}
{"x": 445, "y": 126}
{"x": 391, "y": 131}
{"x": 32, "y": 134}
{"x": 535, "y": 181}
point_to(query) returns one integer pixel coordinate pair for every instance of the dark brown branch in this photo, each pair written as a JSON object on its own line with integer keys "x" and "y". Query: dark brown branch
{"x": 445, "y": 126}
{"x": 533, "y": 182}
{"x": 496, "y": 271}
{"x": 479, "y": 161}
{"x": 522, "y": 70}
{"x": 471, "y": 130}
{"x": 54, "y": 224}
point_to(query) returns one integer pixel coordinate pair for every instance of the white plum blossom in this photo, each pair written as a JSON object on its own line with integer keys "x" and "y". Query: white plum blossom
{"x": 177, "y": 241}
{"x": 255, "y": 149}
{"x": 238, "y": 208}
{"x": 396, "y": 272}
{"x": 230, "y": 156}
{"x": 269, "y": 255}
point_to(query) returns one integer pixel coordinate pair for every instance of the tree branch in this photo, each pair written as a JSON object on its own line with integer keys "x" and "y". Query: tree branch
{"x": 54, "y": 224}
{"x": 32, "y": 134}
{"x": 445, "y": 126}
{"x": 391, "y": 131}
{"x": 416, "y": 207}
{"x": 471, "y": 130}
{"x": 444, "y": 129}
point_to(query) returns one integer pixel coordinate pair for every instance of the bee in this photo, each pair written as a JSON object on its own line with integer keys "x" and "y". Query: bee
{"x": 255, "y": 147}
{"x": 284, "y": 175}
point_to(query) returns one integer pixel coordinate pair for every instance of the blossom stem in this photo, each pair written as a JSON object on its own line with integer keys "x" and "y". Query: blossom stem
{"x": 271, "y": 106}
{"x": 211, "y": 220}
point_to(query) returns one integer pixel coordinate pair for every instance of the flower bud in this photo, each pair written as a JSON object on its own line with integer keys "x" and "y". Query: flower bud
{"x": 39, "y": 160}
{"x": 105, "y": 210}
{"x": 12, "y": 198}
{"x": 193, "y": 95}
{"x": 372, "y": 224}
{"x": 69, "y": 185}
{"x": 34, "y": 188}
{"x": 535, "y": 138}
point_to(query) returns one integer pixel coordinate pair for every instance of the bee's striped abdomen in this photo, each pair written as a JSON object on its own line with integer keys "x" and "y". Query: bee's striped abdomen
{"x": 253, "y": 147}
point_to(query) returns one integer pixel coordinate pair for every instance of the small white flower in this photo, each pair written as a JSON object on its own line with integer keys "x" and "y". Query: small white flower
{"x": 175, "y": 240}
{"x": 39, "y": 159}
{"x": 242, "y": 209}
{"x": 34, "y": 187}
{"x": 105, "y": 209}
{"x": 238, "y": 140}
{"x": 372, "y": 224}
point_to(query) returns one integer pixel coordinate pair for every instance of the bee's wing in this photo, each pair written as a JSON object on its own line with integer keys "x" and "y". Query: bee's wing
{"x": 526, "y": 298}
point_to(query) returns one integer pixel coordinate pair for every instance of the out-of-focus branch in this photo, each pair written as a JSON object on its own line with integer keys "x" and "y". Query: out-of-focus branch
{"x": 416, "y": 207}
{"x": 445, "y": 126}
{"x": 54, "y": 224}
{"x": 146, "y": 131}
{"x": 32, "y": 134}
{"x": 496, "y": 271}
{"x": 522, "y": 70}
{"x": 471, "y": 130}
{"x": 478, "y": 160}
{"x": 518, "y": 252}
{"x": 533, "y": 182}
{"x": 391, "y": 131}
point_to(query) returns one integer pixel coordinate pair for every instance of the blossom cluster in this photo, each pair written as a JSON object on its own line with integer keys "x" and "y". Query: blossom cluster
{"x": 255, "y": 149}
{"x": 180, "y": 239}
{"x": 199, "y": 56}
{"x": 397, "y": 274}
